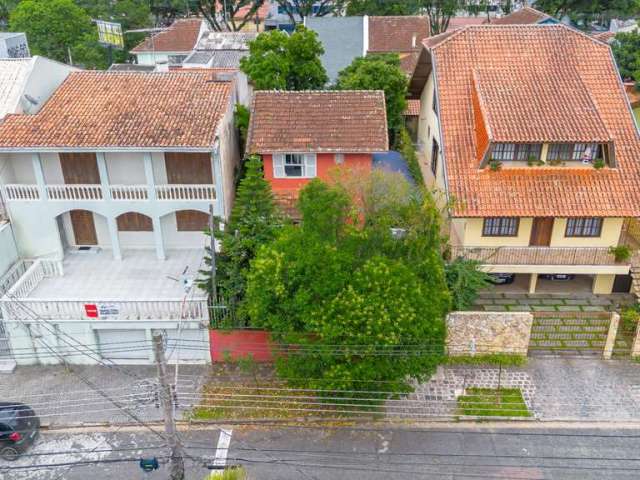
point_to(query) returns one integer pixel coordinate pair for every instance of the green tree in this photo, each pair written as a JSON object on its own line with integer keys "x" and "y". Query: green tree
{"x": 583, "y": 11}
{"x": 241, "y": 118}
{"x": 53, "y": 26}
{"x": 626, "y": 50}
{"x": 348, "y": 279}
{"x": 297, "y": 9}
{"x": 383, "y": 7}
{"x": 440, "y": 12}
{"x": 253, "y": 223}
{"x": 285, "y": 62}
{"x": 379, "y": 72}
{"x": 465, "y": 280}
{"x": 6, "y": 6}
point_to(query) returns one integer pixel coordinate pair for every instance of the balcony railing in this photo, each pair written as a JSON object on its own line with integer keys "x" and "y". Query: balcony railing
{"x": 537, "y": 255}
{"x": 95, "y": 192}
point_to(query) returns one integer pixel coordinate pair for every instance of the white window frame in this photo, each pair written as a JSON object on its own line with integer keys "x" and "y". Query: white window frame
{"x": 309, "y": 165}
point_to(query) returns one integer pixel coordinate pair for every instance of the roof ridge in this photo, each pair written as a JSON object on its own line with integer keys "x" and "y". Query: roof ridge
{"x": 292, "y": 92}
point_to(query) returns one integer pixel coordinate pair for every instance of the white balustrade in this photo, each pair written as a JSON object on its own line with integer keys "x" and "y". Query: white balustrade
{"x": 205, "y": 192}
{"x": 129, "y": 192}
{"x": 75, "y": 192}
{"x": 28, "y": 282}
{"x": 19, "y": 192}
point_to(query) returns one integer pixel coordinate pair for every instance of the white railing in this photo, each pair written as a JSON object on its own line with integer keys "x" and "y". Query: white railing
{"x": 129, "y": 192}
{"x": 19, "y": 192}
{"x": 205, "y": 192}
{"x": 75, "y": 192}
{"x": 33, "y": 276}
{"x": 93, "y": 192}
{"x": 51, "y": 309}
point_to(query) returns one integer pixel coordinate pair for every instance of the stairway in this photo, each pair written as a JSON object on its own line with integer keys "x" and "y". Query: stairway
{"x": 569, "y": 333}
{"x": 635, "y": 274}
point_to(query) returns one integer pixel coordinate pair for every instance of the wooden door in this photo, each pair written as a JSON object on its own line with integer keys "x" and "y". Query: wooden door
{"x": 541, "y": 231}
{"x": 79, "y": 168}
{"x": 188, "y": 168}
{"x": 84, "y": 229}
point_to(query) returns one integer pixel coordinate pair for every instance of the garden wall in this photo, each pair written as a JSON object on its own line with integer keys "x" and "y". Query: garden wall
{"x": 470, "y": 333}
{"x": 237, "y": 344}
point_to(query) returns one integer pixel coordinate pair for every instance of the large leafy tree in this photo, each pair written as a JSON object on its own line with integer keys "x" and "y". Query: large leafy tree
{"x": 585, "y": 10}
{"x": 229, "y": 15}
{"x": 253, "y": 223}
{"x": 383, "y": 7}
{"x": 55, "y": 28}
{"x": 626, "y": 50}
{"x": 440, "y": 12}
{"x": 6, "y": 6}
{"x": 280, "y": 61}
{"x": 345, "y": 278}
{"x": 379, "y": 72}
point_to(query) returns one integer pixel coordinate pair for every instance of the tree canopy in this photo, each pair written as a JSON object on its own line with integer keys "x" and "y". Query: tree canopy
{"x": 626, "y": 50}
{"x": 586, "y": 10}
{"x": 280, "y": 61}
{"x": 297, "y": 9}
{"x": 232, "y": 19}
{"x": 344, "y": 277}
{"x": 379, "y": 72}
{"x": 55, "y": 27}
{"x": 383, "y": 7}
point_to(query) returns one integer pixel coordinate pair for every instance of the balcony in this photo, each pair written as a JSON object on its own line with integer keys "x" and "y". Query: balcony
{"x": 95, "y": 192}
{"x": 92, "y": 286}
{"x": 596, "y": 256}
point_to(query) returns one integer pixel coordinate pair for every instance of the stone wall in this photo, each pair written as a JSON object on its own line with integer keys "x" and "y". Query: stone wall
{"x": 470, "y": 333}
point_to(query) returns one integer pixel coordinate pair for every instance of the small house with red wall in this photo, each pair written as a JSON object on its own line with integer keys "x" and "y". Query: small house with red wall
{"x": 308, "y": 134}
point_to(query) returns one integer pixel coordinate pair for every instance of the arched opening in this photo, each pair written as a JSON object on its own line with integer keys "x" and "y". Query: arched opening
{"x": 134, "y": 222}
{"x": 191, "y": 221}
{"x": 79, "y": 228}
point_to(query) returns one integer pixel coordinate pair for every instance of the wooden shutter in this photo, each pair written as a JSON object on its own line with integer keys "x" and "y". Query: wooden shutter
{"x": 192, "y": 221}
{"x": 278, "y": 165}
{"x": 134, "y": 222}
{"x": 310, "y": 165}
{"x": 188, "y": 168}
{"x": 79, "y": 168}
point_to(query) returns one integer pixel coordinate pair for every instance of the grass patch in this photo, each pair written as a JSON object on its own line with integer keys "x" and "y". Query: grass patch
{"x": 490, "y": 402}
{"x": 506, "y": 360}
{"x": 237, "y": 473}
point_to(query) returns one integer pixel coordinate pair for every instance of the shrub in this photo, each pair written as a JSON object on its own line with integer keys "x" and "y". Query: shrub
{"x": 504, "y": 359}
{"x": 241, "y": 120}
{"x": 465, "y": 281}
{"x": 598, "y": 164}
{"x": 629, "y": 318}
{"x": 408, "y": 151}
{"x": 495, "y": 165}
{"x": 621, "y": 253}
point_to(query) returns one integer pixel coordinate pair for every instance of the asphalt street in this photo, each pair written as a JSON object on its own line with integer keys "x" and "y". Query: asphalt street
{"x": 447, "y": 451}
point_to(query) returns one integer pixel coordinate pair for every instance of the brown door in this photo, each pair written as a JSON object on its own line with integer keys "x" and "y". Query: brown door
{"x": 188, "y": 168}
{"x": 84, "y": 230}
{"x": 541, "y": 231}
{"x": 79, "y": 168}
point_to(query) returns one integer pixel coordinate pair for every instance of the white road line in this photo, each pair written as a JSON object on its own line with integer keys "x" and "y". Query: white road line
{"x": 222, "y": 449}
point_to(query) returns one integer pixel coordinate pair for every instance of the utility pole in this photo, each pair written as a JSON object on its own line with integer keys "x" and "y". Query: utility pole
{"x": 166, "y": 400}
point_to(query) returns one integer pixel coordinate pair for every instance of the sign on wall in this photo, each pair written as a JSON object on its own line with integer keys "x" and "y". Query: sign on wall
{"x": 104, "y": 311}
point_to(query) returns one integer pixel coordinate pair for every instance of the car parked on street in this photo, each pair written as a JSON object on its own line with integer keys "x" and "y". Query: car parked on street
{"x": 19, "y": 428}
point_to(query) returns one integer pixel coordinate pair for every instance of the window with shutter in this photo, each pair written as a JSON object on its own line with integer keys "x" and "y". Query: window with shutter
{"x": 310, "y": 165}
{"x": 294, "y": 165}
{"x": 278, "y": 166}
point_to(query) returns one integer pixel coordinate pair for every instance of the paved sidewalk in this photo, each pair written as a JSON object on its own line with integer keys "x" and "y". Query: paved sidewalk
{"x": 61, "y": 397}
{"x": 553, "y": 389}
{"x": 550, "y": 302}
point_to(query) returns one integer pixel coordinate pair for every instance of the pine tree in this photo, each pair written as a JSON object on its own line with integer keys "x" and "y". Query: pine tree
{"x": 253, "y": 223}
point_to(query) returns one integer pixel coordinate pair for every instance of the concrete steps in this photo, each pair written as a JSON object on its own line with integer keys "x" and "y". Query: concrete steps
{"x": 565, "y": 333}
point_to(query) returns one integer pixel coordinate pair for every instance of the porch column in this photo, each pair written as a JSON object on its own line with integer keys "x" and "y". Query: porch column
{"x": 157, "y": 235}
{"x": 115, "y": 240}
{"x": 533, "y": 282}
{"x": 104, "y": 177}
{"x": 38, "y": 172}
{"x": 148, "y": 173}
{"x": 216, "y": 160}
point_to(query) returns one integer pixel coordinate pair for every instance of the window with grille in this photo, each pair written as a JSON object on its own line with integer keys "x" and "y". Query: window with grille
{"x": 585, "y": 151}
{"x": 506, "y": 152}
{"x": 560, "y": 152}
{"x": 584, "y": 227}
{"x": 528, "y": 152}
{"x": 500, "y": 227}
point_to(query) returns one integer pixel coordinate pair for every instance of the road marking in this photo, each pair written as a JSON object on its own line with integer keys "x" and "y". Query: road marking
{"x": 222, "y": 449}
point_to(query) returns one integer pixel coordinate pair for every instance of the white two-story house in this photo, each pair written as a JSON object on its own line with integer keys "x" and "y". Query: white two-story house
{"x": 527, "y": 131}
{"x": 109, "y": 188}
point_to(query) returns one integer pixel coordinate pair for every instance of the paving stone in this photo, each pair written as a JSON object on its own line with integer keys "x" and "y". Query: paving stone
{"x": 568, "y": 328}
{"x": 597, "y": 300}
{"x": 552, "y": 301}
{"x": 543, "y": 328}
{"x": 576, "y": 343}
{"x": 484, "y": 301}
{"x": 550, "y": 343}
{"x": 519, "y": 308}
{"x": 594, "y": 308}
{"x": 547, "y": 321}
{"x": 543, "y": 308}
{"x": 568, "y": 308}
{"x": 580, "y": 301}
{"x": 560, "y": 336}
{"x": 504, "y": 301}
{"x": 495, "y": 308}
{"x": 530, "y": 301}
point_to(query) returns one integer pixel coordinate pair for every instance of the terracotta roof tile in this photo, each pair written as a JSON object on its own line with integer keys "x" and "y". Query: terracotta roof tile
{"x": 318, "y": 121}
{"x": 555, "y": 51}
{"x": 397, "y": 34}
{"x": 124, "y": 110}
{"x": 457, "y": 22}
{"x": 413, "y": 108}
{"x": 606, "y": 37}
{"x": 181, "y": 36}
{"x": 524, "y": 16}
{"x": 408, "y": 61}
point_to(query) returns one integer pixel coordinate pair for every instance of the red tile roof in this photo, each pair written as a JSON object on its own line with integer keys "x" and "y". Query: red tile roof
{"x": 124, "y": 110}
{"x": 457, "y": 22}
{"x": 632, "y": 94}
{"x": 397, "y": 34}
{"x": 413, "y": 108}
{"x": 181, "y": 36}
{"x": 606, "y": 37}
{"x": 318, "y": 121}
{"x": 532, "y": 52}
{"x": 524, "y": 16}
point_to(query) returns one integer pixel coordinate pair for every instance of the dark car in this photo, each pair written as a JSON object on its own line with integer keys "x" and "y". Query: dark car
{"x": 562, "y": 277}
{"x": 501, "y": 278}
{"x": 19, "y": 427}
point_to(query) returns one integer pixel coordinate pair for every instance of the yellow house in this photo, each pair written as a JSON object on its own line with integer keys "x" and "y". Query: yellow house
{"x": 528, "y": 132}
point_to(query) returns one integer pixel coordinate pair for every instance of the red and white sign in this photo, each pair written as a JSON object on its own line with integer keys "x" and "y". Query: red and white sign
{"x": 101, "y": 310}
{"x": 91, "y": 310}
